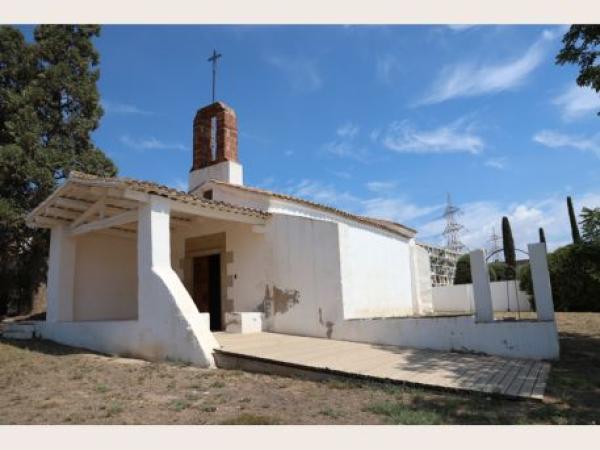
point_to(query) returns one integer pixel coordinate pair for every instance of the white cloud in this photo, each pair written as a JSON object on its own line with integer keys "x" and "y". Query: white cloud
{"x": 321, "y": 192}
{"x": 471, "y": 79}
{"x": 554, "y": 139}
{"x": 381, "y": 186}
{"x": 386, "y": 67}
{"x": 302, "y": 74}
{"x": 123, "y": 108}
{"x": 455, "y": 137}
{"x": 150, "y": 143}
{"x": 576, "y": 102}
{"x": 348, "y": 130}
{"x": 397, "y": 209}
{"x": 496, "y": 163}
{"x": 460, "y": 27}
{"x": 345, "y": 145}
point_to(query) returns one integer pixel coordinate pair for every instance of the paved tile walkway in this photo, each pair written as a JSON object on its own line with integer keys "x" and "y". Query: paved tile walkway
{"x": 490, "y": 374}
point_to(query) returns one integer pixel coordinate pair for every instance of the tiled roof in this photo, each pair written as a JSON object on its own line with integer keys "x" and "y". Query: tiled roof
{"x": 387, "y": 225}
{"x": 79, "y": 178}
{"x": 150, "y": 187}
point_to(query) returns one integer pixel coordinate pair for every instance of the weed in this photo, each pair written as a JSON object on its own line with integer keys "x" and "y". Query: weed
{"x": 250, "y": 419}
{"x": 331, "y": 413}
{"x": 114, "y": 409}
{"x": 399, "y": 414}
{"x": 101, "y": 388}
{"x": 179, "y": 405}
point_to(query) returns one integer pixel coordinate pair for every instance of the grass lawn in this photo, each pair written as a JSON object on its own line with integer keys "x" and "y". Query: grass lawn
{"x": 46, "y": 383}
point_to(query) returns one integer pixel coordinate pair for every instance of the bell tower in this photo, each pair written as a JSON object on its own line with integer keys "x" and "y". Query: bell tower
{"x": 215, "y": 146}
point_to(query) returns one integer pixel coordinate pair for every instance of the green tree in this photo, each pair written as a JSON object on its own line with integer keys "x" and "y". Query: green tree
{"x": 581, "y": 46}
{"x": 542, "y": 235}
{"x": 498, "y": 271}
{"x": 49, "y": 106}
{"x": 573, "y": 220}
{"x": 590, "y": 223}
{"x": 462, "y": 274}
{"x": 508, "y": 244}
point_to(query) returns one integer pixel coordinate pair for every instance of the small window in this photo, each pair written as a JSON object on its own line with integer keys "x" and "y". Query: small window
{"x": 207, "y": 194}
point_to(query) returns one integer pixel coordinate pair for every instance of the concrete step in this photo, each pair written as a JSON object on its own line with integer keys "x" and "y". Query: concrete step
{"x": 18, "y": 331}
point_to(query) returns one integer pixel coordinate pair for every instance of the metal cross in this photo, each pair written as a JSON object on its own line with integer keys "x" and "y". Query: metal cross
{"x": 213, "y": 60}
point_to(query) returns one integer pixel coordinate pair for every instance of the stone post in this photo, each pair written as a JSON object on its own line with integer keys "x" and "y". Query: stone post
{"x": 540, "y": 278}
{"x": 482, "y": 294}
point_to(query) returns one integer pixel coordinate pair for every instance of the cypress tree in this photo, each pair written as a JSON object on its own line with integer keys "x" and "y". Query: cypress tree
{"x": 573, "y": 220}
{"x": 542, "y": 236}
{"x": 510, "y": 257}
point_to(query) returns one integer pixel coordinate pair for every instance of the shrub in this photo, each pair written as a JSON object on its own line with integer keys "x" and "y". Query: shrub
{"x": 525, "y": 284}
{"x": 574, "y": 276}
{"x": 498, "y": 271}
{"x": 463, "y": 271}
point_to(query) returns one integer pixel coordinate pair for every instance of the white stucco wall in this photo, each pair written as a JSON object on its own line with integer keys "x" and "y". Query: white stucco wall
{"x": 375, "y": 273}
{"x": 105, "y": 284}
{"x": 459, "y": 298}
{"x": 517, "y": 339}
{"x": 303, "y": 293}
{"x": 229, "y": 171}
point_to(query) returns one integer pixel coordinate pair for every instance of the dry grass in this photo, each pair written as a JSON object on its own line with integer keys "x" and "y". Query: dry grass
{"x": 46, "y": 383}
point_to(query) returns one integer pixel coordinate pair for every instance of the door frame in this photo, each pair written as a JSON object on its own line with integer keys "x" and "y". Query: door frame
{"x": 205, "y": 245}
{"x": 221, "y": 311}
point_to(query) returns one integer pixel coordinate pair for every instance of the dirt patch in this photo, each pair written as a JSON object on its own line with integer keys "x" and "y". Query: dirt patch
{"x": 46, "y": 383}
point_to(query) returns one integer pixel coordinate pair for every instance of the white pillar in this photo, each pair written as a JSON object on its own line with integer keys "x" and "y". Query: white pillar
{"x": 540, "y": 278}
{"x": 482, "y": 294}
{"x": 61, "y": 276}
{"x": 154, "y": 247}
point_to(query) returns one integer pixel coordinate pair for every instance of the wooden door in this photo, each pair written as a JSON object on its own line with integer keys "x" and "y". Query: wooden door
{"x": 207, "y": 288}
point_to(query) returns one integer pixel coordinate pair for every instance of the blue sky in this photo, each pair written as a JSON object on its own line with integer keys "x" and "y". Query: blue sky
{"x": 381, "y": 120}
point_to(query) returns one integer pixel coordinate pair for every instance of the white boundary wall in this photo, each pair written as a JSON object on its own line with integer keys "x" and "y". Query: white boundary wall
{"x": 459, "y": 298}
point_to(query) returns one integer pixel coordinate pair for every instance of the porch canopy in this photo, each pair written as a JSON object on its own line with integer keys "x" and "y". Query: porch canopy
{"x": 86, "y": 203}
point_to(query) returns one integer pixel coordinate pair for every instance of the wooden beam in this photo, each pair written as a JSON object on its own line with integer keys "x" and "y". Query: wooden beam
{"x": 113, "y": 221}
{"x": 60, "y": 212}
{"x": 72, "y": 204}
{"x": 48, "y": 222}
{"x": 89, "y": 212}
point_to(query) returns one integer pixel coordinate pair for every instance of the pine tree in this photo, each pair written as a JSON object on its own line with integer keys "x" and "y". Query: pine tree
{"x": 510, "y": 257}
{"x": 49, "y": 106}
{"x": 542, "y": 236}
{"x": 573, "y": 220}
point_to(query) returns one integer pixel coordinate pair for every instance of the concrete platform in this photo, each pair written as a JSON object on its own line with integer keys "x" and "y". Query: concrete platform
{"x": 318, "y": 358}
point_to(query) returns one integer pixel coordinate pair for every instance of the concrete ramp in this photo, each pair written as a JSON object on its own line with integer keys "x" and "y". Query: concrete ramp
{"x": 321, "y": 358}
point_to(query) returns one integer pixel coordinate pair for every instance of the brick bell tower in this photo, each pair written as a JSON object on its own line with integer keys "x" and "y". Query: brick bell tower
{"x": 215, "y": 146}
